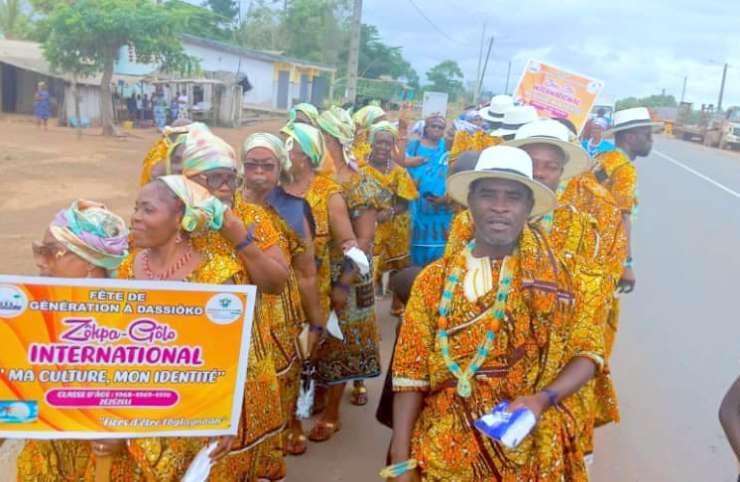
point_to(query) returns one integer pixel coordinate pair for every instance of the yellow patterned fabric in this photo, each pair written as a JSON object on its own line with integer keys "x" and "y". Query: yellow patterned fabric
{"x": 361, "y": 148}
{"x": 167, "y": 458}
{"x": 546, "y": 328}
{"x": 621, "y": 178}
{"x": 393, "y": 237}
{"x": 156, "y": 154}
{"x": 317, "y": 196}
{"x": 466, "y": 141}
{"x": 462, "y": 230}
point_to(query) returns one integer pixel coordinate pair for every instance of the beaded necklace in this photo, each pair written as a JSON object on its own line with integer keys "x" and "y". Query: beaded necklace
{"x": 494, "y": 318}
{"x": 548, "y": 219}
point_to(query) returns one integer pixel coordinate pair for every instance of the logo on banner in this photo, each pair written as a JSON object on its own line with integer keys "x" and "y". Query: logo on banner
{"x": 13, "y": 301}
{"x": 224, "y": 308}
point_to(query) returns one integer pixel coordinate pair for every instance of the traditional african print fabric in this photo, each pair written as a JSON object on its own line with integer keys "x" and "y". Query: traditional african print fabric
{"x": 317, "y": 196}
{"x": 358, "y": 355}
{"x": 471, "y": 141}
{"x": 361, "y": 148}
{"x": 167, "y": 458}
{"x": 430, "y": 222}
{"x": 462, "y": 231}
{"x": 392, "y": 237}
{"x": 618, "y": 174}
{"x": 287, "y": 317}
{"x": 545, "y": 328}
{"x": 262, "y": 414}
{"x": 156, "y": 154}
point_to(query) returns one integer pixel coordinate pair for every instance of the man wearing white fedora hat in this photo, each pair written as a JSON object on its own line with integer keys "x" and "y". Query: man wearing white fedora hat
{"x": 633, "y": 135}
{"x": 501, "y": 320}
{"x": 514, "y": 118}
{"x": 494, "y": 112}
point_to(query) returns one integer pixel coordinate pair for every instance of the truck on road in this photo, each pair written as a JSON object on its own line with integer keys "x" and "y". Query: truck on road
{"x": 712, "y": 128}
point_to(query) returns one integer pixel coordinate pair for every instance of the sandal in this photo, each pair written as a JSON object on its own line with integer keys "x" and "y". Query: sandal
{"x": 295, "y": 444}
{"x": 323, "y": 431}
{"x": 359, "y": 395}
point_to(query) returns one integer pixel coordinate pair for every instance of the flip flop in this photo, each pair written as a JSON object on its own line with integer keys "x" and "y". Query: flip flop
{"x": 323, "y": 431}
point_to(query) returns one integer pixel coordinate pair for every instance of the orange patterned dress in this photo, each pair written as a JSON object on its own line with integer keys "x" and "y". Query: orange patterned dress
{"x": 156, "y": 154}
{"x": 465, "y": 141}
{"x": 167, "y": 458}
{"x": 317, "y": 196}
{"x": 546, "y": 326}
{"x": 392, "y": 237}
{"x": 618, "y": 174}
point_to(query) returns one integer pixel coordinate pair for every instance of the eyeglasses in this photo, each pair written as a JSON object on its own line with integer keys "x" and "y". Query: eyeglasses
{"x": 252, "y": 166}
{"x": 48, "y": 250}
{"x": 436, "y": 126}
{"x": 215, "y": 180}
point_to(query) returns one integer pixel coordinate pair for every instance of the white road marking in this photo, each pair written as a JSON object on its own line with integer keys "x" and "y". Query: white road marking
{"x": 697, "y": 174}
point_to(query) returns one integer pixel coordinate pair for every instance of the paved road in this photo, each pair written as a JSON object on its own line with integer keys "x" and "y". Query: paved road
{"x": 678, "y": 347}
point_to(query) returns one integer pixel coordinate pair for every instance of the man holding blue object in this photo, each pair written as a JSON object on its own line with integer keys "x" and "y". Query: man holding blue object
{"x": 501, "y": 320}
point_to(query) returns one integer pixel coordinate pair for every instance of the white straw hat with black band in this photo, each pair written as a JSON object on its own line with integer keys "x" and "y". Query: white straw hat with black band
{"x": 630, "y": 118}
{"x": 551, "y": 132}
{"x": 503, "y": 162}
{"x": 514, "y": 118}
{"x": 495, "y": 111}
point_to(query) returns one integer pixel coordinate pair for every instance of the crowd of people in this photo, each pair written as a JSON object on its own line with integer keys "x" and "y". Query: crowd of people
{"x": 505, "y": 244}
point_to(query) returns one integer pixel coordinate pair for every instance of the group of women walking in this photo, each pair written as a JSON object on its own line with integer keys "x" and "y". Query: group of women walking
{"x": 284, "y": 214}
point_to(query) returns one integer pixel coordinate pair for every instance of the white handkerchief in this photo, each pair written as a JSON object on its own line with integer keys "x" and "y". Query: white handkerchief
{"x": 332, "y": 326}
{"x": 359, "y": 258}
{"x": 201, "y": 465}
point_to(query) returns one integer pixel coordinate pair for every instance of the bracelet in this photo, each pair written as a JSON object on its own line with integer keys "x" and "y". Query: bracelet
{"x": 393, "y": 471}
{"x": 315, "y": 328}
{"x": 628, "y": 263}
{"x": 552, "y": 396}
{"x": 249, "y": 239}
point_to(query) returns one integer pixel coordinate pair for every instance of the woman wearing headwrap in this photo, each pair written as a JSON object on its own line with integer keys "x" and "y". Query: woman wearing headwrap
{"x": 305, "y": 113}
{"x": 393, "y": 234}
{"x": 355, "y": 358}
{"x": 364, "y": 120}
{"x": 430, "y": 213}
{"x": 334, "y": 236}
{"x": 595, "y": 144}
{"x": 248, "y": 234}
{"x": 266, "y": 163}
{"x": 169, "y": 211}
{"x": 84, "y": 241}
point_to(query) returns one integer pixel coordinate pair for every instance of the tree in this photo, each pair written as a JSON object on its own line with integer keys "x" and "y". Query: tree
{"x": 446, "y": 77}
{"x": 659, "y": 100}
{"x": 90, "y": 33}
{"x": 199, "y": 21}
{"x": 226, "y": 9}
{"x": 14, "y": 22}
{"x": 261, "y": 28}
{"x": 378, "y": 59}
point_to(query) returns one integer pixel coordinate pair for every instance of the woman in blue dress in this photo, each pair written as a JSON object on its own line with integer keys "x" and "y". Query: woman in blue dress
{"x": 41, "y": 105}
{"x": 430, "y": 212}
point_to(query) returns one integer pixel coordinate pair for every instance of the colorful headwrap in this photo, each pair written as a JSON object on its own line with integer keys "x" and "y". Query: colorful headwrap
{"x": 202, "y": 210}
{"x": 338, "y": 123}
{"x": 270, "y": 142}
{"x": 194, "y": 128}
{"x": 383, "y": 126}
{"x": 205, "y": 151}
{"x": 366, "y": 117}
{"x": 601, "y": 122}
{"x": 309, "y": 110}
{"x": 430, "y": 118}
{"x": 92, "y": 232}
{"x": 308, "y": 137}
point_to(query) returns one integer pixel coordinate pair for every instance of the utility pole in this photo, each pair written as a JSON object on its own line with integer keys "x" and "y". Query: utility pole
{"x": 508, "y": 75}
{"x": 485, "y": 64}
{"x": 476, "y": 89}
{"x": 722, "y": 88}
{"x": 683, "y": 90}
{"x": 354, "y": 52}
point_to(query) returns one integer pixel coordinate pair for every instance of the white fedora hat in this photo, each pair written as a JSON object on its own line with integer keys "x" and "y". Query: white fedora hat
{"x": 495, "y": 111}
{"x": 514, "y": 118}
{"x": 631, "y": 118}
{"x": 503, "y": 162}
{"x": 552, "y": 132}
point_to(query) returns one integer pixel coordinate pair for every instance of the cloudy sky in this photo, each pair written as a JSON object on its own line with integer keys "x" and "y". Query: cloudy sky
{"x": 636, "y": 47}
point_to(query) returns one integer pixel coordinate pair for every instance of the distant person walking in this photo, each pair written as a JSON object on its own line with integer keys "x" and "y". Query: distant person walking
{"x": 41, "y": 105}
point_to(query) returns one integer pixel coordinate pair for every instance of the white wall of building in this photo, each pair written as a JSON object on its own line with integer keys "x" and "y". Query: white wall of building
{"x": 259, "y": 72}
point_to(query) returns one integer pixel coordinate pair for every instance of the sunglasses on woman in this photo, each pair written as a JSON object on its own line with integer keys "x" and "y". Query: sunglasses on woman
{"x": 48, "y": 250}
{"x": 215, "y": 180}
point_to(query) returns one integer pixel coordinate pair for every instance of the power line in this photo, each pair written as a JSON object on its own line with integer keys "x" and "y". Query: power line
{"x": 442, "y": 32}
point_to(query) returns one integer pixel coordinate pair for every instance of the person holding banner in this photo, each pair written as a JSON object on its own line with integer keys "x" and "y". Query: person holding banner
{"x": 266, "y": 165}
{"x": 83, "y": 241}
{"x": 168, "y": 212}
